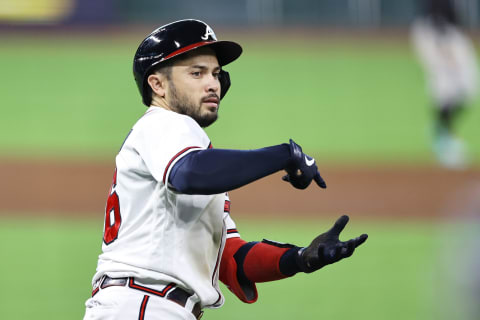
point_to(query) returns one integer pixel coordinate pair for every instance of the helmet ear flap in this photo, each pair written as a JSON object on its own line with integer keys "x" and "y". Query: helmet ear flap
{"x": 224, "y": 83}
{"x": 147, "y": 96}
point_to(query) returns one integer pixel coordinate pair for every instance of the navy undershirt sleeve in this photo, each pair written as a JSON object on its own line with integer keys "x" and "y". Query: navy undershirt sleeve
{"x": 214, "y": 171}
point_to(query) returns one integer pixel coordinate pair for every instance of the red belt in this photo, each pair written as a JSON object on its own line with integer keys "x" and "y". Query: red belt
{"x": 170, "y": 292}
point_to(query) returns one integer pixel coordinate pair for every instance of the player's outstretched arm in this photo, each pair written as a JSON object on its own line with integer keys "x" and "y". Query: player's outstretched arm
{"x": 246, "y": 263}
{"x": 214, "y": 171}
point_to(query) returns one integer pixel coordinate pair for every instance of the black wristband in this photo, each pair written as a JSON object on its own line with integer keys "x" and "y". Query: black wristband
{"x": 288, "y": 262}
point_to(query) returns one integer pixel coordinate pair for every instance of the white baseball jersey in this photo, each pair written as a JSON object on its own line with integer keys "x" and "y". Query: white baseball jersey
{"x": 154, "y": 232}
{"x": 449, "y": 60}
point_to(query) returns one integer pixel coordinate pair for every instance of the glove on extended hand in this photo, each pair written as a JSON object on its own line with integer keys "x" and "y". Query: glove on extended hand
{"x": 302, "y": 169}
{"x": 327, "y": 248}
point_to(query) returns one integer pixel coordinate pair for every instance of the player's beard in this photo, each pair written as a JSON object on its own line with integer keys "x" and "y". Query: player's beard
{"x": 182, "y": 104}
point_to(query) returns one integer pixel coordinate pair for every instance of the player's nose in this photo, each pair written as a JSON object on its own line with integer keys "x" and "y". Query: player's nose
{"x": 213, "y": 84}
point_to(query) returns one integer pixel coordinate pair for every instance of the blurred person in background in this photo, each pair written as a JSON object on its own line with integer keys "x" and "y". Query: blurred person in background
{"x": 449, "y": 60}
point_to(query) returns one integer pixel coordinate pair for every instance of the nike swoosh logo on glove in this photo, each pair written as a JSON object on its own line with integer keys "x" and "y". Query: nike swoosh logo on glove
{"x": 309, "y": 162}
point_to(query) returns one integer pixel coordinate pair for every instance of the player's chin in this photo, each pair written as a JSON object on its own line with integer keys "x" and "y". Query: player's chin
{"x": 207, "y": 118}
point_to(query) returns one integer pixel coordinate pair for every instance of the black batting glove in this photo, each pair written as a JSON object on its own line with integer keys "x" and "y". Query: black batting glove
{"x": 302, "y": 169}
{"x": 327, "y": 248}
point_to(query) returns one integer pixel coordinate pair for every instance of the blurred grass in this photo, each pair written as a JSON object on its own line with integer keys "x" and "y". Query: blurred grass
{"x": 47, "y": 264}
{"x": 75, "y": 97}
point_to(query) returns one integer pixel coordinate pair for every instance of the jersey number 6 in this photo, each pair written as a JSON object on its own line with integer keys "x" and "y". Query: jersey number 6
{"x": 113, "y": 219}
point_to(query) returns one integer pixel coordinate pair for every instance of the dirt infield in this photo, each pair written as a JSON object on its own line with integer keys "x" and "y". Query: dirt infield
{"x": 45, "y": 187}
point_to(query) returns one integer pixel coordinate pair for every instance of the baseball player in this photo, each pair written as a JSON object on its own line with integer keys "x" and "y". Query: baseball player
{"x": 168, "y": 235}
{"x": 449, "y": 60}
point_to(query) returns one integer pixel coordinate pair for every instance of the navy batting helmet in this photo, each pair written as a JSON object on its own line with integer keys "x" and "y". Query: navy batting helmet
{"x": 174, "y": 39}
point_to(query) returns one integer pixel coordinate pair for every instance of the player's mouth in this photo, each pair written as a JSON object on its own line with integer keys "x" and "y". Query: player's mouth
{"x": 211, "y": 101}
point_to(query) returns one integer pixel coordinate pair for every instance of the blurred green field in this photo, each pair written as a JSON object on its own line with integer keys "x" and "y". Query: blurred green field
{"x": 397, "y": 274}
{"x": 75, "y": 97}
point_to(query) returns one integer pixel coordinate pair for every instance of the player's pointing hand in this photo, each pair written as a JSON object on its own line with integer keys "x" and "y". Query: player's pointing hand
{"x": 302, "y": 169}
{"x": 327, "y": 248}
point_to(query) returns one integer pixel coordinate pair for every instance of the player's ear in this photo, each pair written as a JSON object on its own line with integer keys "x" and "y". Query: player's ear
{"x": 158, "y": 83}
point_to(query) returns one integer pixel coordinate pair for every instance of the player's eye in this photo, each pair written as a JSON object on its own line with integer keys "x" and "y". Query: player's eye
{"x": 216, "y": 75}
{"x": 196, "y": 74}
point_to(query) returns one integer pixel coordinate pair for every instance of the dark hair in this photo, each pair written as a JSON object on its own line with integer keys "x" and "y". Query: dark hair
{"x": 164, "y": 68}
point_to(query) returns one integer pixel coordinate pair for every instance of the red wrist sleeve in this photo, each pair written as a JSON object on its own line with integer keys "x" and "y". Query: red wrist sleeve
{"x": 262, "y": 263}
{"x": 245, "y": 263}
